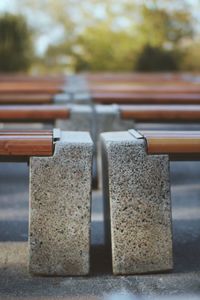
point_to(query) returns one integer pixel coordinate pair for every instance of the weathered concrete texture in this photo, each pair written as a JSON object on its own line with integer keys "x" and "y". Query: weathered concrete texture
{"x": 75, "y": 91}
{"x": 183, "y": 281}
{"x": 62, "y": 98}
{"x": 95, "y": 119}
{"x": 108, "y": 119}
{"x": 83, "y": 97}
{"x": 80, "y": 119}
{"x": 60, "y": 195}
{"x": 140, "y": 208}
{"x": 73, "y": 98}
{"x": 75, "y": 83}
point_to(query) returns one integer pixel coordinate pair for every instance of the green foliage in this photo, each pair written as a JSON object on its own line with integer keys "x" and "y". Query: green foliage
{"x": 112, "y": 35}
{"x": 15, "y": 46}
{"x": 100, "y": 48}
{"x": 156, "y": 59}
{"x": 151, "y": 44}
{"x": 160, "y": 27}
{"x": 191, "y": 57}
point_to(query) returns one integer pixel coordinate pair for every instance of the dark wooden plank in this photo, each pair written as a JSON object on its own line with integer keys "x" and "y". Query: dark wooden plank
{"x": 31, "y": 78}
{"x": 21, "y": 132}
{"x": 142, "y": 98}
{"x": 26, "y": 145}
{"x": 136, "y": 77}
{"x": 29, "y": 88}
{"x": 161, "y": 113}
{"x": 176, "y": 142}
{"x": 169, "y": 89}
{"x": 36, "y": 113}
{"x": 26, "y": 99}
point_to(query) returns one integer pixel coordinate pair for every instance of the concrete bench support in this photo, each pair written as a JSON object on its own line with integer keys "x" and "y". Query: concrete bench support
{"x": 108, "y": 119}
{"x": 82, "y": 98}
{"x": 137, "y": 192}
{"x": 81, "y": 119}
{"x": 75, "y": 91}
{"x": 60, "y": 195}
{"x": 95, "y": 119}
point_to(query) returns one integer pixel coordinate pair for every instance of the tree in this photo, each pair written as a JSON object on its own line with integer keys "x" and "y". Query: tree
{"x": 112, "y": 35}
{"x": 191, "y": 57}
{"x": 101, "y": 48}
{"x": 160, "y": 27}
{"x": 156, "y": 59}
{"x": 16, "y": 46}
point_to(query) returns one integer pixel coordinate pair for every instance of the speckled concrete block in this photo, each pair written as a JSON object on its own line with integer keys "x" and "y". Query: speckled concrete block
{"x": 108, "y": 119}
{"x": 73, "y": 98}
{"x": 137, "y": 193}
{"x": 82, "y": 97}
{"x": 60, "y": 192}
{"x": 75, "y": 91}
{"x": 62, "y": 98}
{"x": 95, "y": 119}
{"x": 81, "y": 119}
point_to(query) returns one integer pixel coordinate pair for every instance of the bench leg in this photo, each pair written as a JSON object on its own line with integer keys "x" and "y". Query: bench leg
{"x": 108, "y": 119}
{"x": 80, "y": 119}
{"x": 60, "y": 205}
{"x": 95, "y": 119}
{"x": 137, "y": 192}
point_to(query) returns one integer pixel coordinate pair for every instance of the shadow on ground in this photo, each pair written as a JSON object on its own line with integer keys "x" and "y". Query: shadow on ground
{"x": 17, "y": 283}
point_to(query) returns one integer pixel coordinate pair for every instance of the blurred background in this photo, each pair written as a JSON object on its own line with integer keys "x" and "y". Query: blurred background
{"x": 63, "y": 36}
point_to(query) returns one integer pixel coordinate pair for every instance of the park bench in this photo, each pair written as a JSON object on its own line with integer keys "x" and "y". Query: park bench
{"x": 143, "y": 89}
{"x": 30, "y": 88}
{"x": 60, "y": 189}
{"x": 33, "y": 113}
{"x": 99, "y": 118}
{"x": 137, "y": 195}
{"x": 101, "y": 98}
{"x": 139, "y": 77}
{"x": 144, "y": 98}
{"x": 46, "y": 91}
{"x": 30, "y": 78}
{"x": 82, "y": 89}
{"x": 66, "y": 117}
{"x": 160, "y": 113}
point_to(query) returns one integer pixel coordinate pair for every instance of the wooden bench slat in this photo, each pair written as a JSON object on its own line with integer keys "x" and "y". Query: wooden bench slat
{"x": 133, "y": 77}
{"x": 172, "y": 142}
{"x": 59, "y": 79}
{"x": 142, "y": 98}
{"x": 147, "y": 89}
{"x": 149, "y": 113}
{"x": 26, "y": 144}
{"x": 26, "y": 99}
{"x": 25, "y": 132}
{"x": 20, "y": 89}
{"x": 33, "y": 113}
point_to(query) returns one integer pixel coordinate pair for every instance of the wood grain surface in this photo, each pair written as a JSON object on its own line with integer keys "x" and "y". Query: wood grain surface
{"x": 26, "y": 98}
{"x": 161, "y": 113}
{"x": 29, "y": 113}
{"x": 175, "y": 142}
{"x": 144, "y": 98}
{"x": 26, "y": 143}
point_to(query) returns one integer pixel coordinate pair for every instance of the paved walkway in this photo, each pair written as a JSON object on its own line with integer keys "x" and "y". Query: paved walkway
{"x": 16, "y": 283}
